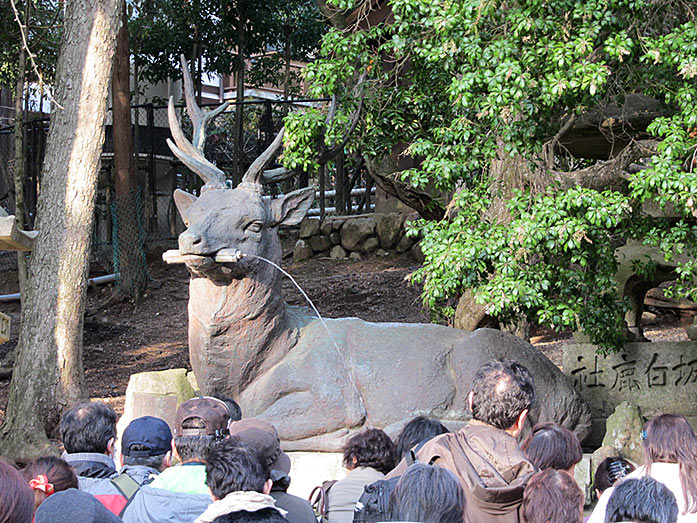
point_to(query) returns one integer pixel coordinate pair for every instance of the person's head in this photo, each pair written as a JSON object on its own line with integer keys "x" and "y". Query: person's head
{"x": 669, "y": 438}
{"x": 370, "y": 448}
{"x": 502, "y": 394}
{"x": 16, "y": 498}
{"x": 199, "y": 422}
{"x": 550, "y": 446}
{"x": 89, "y": 427}
{"x": 147, "y": 441}
{"x": 609, "y": 472}
{"x": 415, "y": 431}
{"x": 232, "y": 466}
{"x": 47, "y": 475}
{"x": 265, "y": 515}
{"x": 427, "y": 494}
{"x": 643, "y": 500}
{"x": 232, "y": 406}
{"x": 552, "y": 496}
{"x": 262, "y": 436}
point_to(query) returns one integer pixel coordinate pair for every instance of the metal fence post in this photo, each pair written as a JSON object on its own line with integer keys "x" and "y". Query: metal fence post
{"x": 152, "y": 223}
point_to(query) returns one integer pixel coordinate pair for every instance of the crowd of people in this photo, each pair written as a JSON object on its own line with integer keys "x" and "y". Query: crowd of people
{"x": 217, "y": 467}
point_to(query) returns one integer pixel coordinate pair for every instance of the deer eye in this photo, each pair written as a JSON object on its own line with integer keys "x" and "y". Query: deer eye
{"x": 254, "y": 226}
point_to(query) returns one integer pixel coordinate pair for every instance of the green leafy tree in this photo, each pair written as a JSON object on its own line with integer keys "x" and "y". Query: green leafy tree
{"x": 490, "y": 101}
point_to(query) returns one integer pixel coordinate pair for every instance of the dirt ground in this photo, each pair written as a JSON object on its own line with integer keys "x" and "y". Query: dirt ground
{"x": 123, "y": 339}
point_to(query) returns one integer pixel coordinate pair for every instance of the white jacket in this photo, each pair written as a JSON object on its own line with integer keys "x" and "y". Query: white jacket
{"x": 666, "y": 473}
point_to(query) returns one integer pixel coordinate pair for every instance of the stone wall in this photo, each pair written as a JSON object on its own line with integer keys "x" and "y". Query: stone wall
{"x": 342, "y": 237}
{"x": 657, "y": 377}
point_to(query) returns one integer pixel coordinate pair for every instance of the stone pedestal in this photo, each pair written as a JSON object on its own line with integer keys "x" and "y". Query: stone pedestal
{"x": 158, "y": 394}
{"x": 310, "y": 469}
{"x": 657, "y": 377}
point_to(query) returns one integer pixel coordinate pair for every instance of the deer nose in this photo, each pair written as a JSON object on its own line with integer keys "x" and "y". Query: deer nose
{"x": 190, "y": 243}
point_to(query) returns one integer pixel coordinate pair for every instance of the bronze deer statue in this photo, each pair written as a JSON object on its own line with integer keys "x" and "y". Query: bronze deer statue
{"x": 281, "y": 364}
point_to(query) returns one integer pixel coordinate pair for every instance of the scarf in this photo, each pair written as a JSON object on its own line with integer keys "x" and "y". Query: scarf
{"x": 236, "y": 502}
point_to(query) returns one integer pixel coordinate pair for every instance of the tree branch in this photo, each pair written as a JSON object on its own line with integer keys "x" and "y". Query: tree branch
{"x": 385, "y": 172}
{"x": 606, "y": 173}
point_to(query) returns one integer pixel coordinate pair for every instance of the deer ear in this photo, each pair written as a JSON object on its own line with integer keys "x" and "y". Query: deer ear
{"x": 183, "y": 200}
{"x": 291, "y": 209}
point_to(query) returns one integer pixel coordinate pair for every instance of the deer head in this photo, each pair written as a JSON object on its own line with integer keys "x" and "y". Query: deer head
{"x": 223, "y": 218}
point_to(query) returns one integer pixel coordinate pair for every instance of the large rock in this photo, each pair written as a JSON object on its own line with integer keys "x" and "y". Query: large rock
{"x": 623, "y": 432}
{"x": 335, "y": 237}
{"x": 156, "y": 393}
{"x": 356, "y": 231}
{"x": 309, "y": 227}
{"x": 326, "y": 227}
{"x": 389, "y": 227}
{"x": 417, "y": 253}
{"x": 405, "y": 243}
{"x": 369, "y": 245}
{"x": 302, "y": 251}
{"x": 320, "y": 243}
{"x": 337, "y": 253}
{"x": 584, "y": 478}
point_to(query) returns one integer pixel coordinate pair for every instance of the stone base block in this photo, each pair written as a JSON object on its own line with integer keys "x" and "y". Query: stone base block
{"x": 157, "y": 393}
{"x": 309, "y": 469}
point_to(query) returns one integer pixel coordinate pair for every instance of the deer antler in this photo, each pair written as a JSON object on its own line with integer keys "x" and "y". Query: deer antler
{"x": 255, "y": 173}
{"x": 191, "y": 154}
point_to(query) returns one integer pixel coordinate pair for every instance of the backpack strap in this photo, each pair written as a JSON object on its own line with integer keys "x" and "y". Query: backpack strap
{"x": 411, "y": 456}
{"x": 319, "y": 498}
{"x": 127, "y": 487}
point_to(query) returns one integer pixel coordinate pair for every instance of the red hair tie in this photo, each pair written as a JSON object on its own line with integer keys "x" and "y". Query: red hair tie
{"x": 41, "y": 483}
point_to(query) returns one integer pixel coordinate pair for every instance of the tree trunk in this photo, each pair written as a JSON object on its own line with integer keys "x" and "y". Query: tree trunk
{"x": 19, "y": 156}
{"x": 48, "y": 376}
{"x": 287, "y": 58}
{"x": 506, "y": 173}
{"x": 239, "y": 109}
{"x": 130, "y": 257}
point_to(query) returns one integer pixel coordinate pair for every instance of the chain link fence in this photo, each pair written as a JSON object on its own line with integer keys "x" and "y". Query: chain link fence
{"x": 127, "y": 225}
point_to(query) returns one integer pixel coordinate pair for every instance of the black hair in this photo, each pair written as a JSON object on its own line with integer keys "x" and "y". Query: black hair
{"x": 265, "y": 515}
{"x": 552, "y": 496}
{"x": 550, "y": 446}
{"x": 642, "y": 499}
{"x": 193, "y": 448}
{"x": 16, "y": 498}
{"x": 232, "y": 466}
{"x": 417, "y": 430}
{"x": 609, "y": 471}
{"x": 371, "y": 448}
{"x": 232, "y": 406}
{"x": 501, "y": 390}
{"x": 427, "y": 494}
{"x": 154, "y": 462}
{"x": 88, "y": 427}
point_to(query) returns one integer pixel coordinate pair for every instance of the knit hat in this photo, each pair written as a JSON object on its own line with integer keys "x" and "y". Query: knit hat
{"x": 262, "y": 436}
{"x": 150, "y": 432}
{"x": 213, "y": 412}
{"x": 73, "y": 505}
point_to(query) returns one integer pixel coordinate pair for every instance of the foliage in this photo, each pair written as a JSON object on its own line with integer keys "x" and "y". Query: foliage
{"x": 162, "y": 30}
{"x": 43, "y": 39}
{"x": 470, "y": 84}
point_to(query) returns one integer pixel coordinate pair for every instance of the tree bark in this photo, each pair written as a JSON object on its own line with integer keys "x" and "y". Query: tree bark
{"x": 131, "y": 261}
{"x": 19, "y": 155}
{"x": 48, "y": 376}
